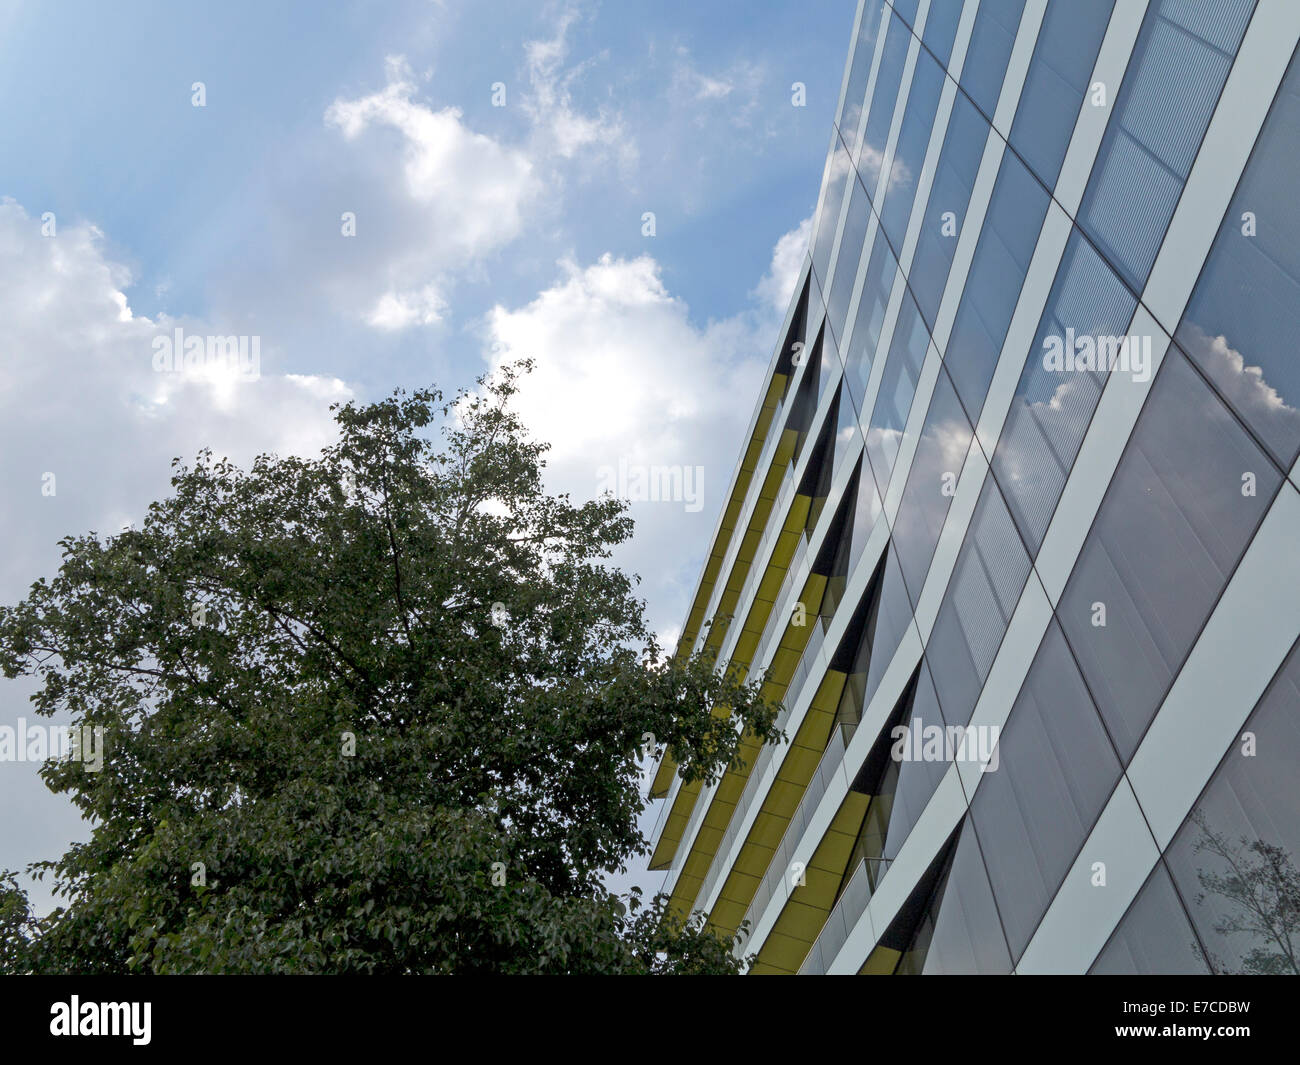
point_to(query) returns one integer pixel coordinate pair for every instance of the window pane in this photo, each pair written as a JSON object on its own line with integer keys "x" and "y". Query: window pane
{"x": 906, "y": 10}
{"x": 1052, "y": 408}
{"x": 918, "y": 778}
{"x": 897, "y": 386}
{"x": 967, "y": 937}
{"x": 997, "y": 274}
{"x": 864, "y": 51}
{"x": 1242, "y": 324}
{"x": 996, "y": 24}
{"x": 846, "y": 428}
{"x": 1064, "y": 56}
{"x": 941, "y": 28}
{"x": 986, "y": 584}
{"x": 838, "y": 169}
{"x": 1154, "y": 937}
{"x": 877, "y": 284}
{"x": 886, "y": 627}
{"x": 866, "y": 509}
{"x": 959, "y": 162}
{"x": 846, "y": 261}
{"x": 1172, "y": 83}
{"x": 1235, "y": 859}
{"x": 913, "y": 140}
{"x": 871, "y": 152}
{"x": 931, "y": 481}
{"x": 1055, "y": 771}
{"x": 1170, "y": 530}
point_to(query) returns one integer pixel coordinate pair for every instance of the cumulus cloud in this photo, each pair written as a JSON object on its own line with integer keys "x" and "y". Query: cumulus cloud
{"x": 777, "y": 286}
{"x": 622, "y": 371}
{"x": 398, "y": 310}
{"x": 627, "y": 385}
{"x": 473, "y": 187}
{"x": 462, "y": 195}
{"x": 451, "y": 197}
{"x": 79, "y": 357}
{"x": 627, "y": 389}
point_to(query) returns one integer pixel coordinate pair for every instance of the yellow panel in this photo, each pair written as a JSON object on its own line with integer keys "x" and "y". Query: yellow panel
{"x": 804, "y": 914}
{"x": 753, "y": 861}
{"x": 729, "y": 912}
{"x": 674, "y": 826}
{"x": 784, "y": 796}
{"x": 783, "y": 952}
{"x": 764, "y": 836}
{"x": 880, "y": 962}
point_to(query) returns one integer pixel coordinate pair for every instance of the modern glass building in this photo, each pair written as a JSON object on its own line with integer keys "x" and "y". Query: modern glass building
{"x": 1015, "y": 535}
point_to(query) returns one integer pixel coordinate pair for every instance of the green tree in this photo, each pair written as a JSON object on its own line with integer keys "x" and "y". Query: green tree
{"x": 382, "y": 711}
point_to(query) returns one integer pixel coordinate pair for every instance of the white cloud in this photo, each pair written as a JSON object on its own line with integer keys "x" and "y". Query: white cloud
{"x": 621, "y": 369}
{"x": 79, "y": 358}
{"x": 473, "y": 187}
{"x": 624, "y": 378}
{"x": 559, "y": 127}
{"x": 737, "y": 90}
{"x": 777, "y": 285}
{"x": 465, "y": 195}
{"x": 398, "y": 310}
{"x": 712, "y": 88}
{"x": 451, "y": 197}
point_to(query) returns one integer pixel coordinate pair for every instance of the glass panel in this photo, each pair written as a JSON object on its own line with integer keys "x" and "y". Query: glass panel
{"x": 838, "y": 169}
{"x": 986, "y": 584}
{"x": 997, "y": 274}
{"x": 994, "y": 34}
{"x": 1242, "y": 324}
{"x": 1052, "y": 407}
{"x": 886, "y": 625}
{"x": 1154, "y": 937}
{"x": 846, "y": 429}
{"x": 871, "y": 153}
{"x": 877, "y": 283}
{"x": 909, "y": 153}
{"x": 962, "y": 933}
{"x": 941, "y": 28}
{"x": 864, "y": 51}
{"x": 906, "y": 10}
{"x": 918, "y": 778}
{"x": 1043, "y": 793}
{"x": 1064, "y": 56}
{"x": 931, "y": 482}
{"x": 897, "y": 386}
{"x": 945, "y": 212}
{"x": 1235, "y": 858}
{"x": 1172, "y": 82}
{"x": 1173, "y": 524}
{"x": 866, "y": 509}
{"x": 846, "y": 260}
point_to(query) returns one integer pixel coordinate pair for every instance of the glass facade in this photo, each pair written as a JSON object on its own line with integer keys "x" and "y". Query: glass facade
{"x": 1050, "y": 412}
{"x": 1055, "y": 652}
{"x": 1223, "y": 897}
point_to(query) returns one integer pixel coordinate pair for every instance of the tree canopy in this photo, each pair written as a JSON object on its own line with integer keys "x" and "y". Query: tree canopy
{"x": 384, "y": 710}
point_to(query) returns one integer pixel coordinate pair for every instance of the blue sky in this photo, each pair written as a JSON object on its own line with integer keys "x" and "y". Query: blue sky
{"x": 482, "y": 232}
